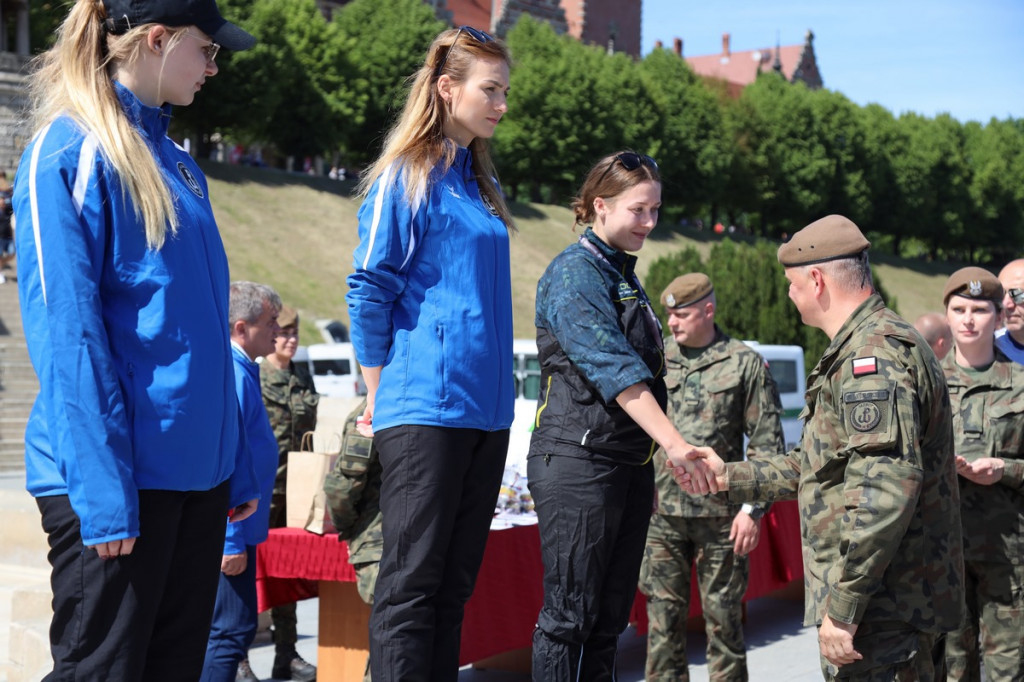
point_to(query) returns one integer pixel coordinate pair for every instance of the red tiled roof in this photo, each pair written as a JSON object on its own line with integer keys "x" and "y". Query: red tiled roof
{"x": 742, "y": 67}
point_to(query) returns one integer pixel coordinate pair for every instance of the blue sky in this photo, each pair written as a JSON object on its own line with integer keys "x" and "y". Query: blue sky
{"x": 963, "y": 57}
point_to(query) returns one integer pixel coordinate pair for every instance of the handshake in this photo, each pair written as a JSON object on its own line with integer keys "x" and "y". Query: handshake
{"x": 698, "y": 471}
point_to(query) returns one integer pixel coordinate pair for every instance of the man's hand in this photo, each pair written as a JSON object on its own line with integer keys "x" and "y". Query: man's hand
{"x": 983, "y": 471}
{"x": 233, "y": 564}
{"x": 711, "y": 473}
{"x": 689, "y": 462}
{"x": 243, "y": 511}
{"x": 114, "y": 548}
{"x": 835, "y": 640}
{"x": 745, "y": 533}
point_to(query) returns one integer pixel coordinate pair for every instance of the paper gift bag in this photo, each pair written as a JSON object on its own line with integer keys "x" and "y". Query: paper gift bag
{"x": 305, "y": 500}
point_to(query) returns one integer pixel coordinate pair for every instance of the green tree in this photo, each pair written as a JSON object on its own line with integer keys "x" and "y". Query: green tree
{"x": 691, "y": 144}
{"x": 289, "y": 91}
{"x": 996, "y": 154}
{"x": 385, "y": 41}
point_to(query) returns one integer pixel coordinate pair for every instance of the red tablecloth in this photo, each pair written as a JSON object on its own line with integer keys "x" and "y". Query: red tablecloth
{"x": 503, "y": 609}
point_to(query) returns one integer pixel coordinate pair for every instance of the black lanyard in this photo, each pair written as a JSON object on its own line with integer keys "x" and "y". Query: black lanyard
{"x": 653, "y": 324}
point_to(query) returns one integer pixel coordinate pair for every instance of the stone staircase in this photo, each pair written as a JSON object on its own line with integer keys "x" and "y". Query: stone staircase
{"x": 24, "y": 572}
{"x": 18, "y": 383}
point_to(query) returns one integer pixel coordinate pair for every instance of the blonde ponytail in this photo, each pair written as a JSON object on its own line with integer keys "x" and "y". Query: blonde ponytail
{"x": 73, "y": 78}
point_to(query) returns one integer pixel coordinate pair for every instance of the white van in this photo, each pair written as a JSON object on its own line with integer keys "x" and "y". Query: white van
{"x": 334, "y": 369}
{"x": 786, "y": 364}
{"x": 526, "y": 370}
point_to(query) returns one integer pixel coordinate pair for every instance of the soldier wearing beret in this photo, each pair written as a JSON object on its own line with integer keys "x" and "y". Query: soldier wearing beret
{"x": 719, "y": 390}
{"x": 986, "y": 390}
{"x": 874, "y": 473}
{"x": 291, "y": 402}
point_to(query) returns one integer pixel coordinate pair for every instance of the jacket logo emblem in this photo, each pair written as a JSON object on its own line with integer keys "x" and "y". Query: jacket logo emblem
{"x": 190, "y": 179}
{"x": 488, "y": 205}
{"x": 974, "y": 286}
{"x": 451, "y": 190}
{"x": 865, "y": 416}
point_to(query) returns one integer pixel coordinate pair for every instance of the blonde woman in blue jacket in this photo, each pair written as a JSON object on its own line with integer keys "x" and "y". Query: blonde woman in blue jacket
{"x": 132, "y": 449}
{"x": 431, "y": 308}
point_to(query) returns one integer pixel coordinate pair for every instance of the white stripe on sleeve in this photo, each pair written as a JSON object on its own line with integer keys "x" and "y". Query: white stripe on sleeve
{"x": 34, "y": 203}
{"x": 85, "y": 161}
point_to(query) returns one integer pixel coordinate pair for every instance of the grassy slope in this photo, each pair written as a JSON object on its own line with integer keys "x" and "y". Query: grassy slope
{"x": 297, "y": 234}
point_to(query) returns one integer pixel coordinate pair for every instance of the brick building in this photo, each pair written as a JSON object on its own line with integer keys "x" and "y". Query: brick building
{"x": 612, "y": 24}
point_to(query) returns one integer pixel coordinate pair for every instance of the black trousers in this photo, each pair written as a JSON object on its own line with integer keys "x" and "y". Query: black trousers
{"x": 593, "y": 517}
{"x": 438, "y": 491}
{"x": 145, "y": 616}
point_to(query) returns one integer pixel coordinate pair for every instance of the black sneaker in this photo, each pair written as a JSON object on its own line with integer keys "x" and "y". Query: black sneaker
{"x": 293, "y": 668}
{"x": 244, "y": 673}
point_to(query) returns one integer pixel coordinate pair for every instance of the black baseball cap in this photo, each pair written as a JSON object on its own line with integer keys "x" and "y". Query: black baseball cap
{"x": 123, "y": 15}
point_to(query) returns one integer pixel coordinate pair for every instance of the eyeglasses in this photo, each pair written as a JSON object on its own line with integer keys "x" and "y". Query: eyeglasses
{"x": 1016, "y": 295}
{"x": 630, "y": 161}
{"x": 210, "y": 49}
{"x": 474, "y": 33}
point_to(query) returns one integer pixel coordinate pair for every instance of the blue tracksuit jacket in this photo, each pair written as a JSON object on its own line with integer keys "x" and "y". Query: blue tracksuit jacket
{"x": 130, "y": 345}
{"x": 431, "y": 302}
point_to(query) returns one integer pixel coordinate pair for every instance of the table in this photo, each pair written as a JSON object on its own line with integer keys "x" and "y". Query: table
{"x": 294, "y": 564}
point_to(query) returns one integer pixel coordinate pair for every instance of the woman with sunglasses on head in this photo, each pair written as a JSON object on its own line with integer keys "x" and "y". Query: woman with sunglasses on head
{"x": 431, "y": 308}
{"x": 600, "y": 417}
{"x": 133, "y": 448}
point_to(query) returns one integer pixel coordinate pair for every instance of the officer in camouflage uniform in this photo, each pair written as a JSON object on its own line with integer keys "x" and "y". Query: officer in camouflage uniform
{"x": 718, "y": 390}
{"x": 986, "y": 389}
{"x": 353, "y": 500}
{"x": 874, "y": 474}
{"x": 291, "y": 402}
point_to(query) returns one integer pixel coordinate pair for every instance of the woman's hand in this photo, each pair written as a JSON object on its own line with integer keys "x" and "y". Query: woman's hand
{"x": 706, "y": 473}
{"x": 114, "y": 548}
{"x": 983, "y": 471}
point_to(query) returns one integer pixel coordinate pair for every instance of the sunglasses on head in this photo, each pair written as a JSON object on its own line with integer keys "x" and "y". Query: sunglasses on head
{"x": 630, "y": 161}
{"x": 474, "y": 33}
{"x": 1016, "y": 295}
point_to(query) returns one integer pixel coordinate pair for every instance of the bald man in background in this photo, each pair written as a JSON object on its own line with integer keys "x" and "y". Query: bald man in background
{"x": 935, "y": 330}
{"x": 1010, "y": 339}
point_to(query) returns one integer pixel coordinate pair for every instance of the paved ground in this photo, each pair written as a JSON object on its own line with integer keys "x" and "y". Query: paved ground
{"x": 778, "y": 648}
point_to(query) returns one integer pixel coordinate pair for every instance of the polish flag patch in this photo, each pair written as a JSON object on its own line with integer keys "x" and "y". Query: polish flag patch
{"x": 864, "y": 366}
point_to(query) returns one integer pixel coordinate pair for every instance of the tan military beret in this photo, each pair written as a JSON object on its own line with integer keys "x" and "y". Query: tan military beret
{"x": 686, "y": 290}
{"x": 288, "y": 317}
{"x": 975, "y": 283}
{"x": 827, "y": 239}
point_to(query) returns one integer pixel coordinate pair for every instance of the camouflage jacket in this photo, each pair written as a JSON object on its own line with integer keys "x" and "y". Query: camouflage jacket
{"x": 291, "y": 403}
{"x": 875, "y": 480}
{"x": 714, "y": 399}
{"x": 988, "y": 421}
{"x": 353, "y": 493}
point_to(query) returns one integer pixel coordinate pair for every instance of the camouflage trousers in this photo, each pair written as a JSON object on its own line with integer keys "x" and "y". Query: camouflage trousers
{"x": 674, "y": 544}
{"x": 366, "y": 579}
{"x": 993, "y": 629}
{"x": 892, "y": 653}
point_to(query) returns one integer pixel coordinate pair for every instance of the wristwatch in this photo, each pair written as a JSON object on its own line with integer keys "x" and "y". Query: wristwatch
{"x": 753, "y": 510}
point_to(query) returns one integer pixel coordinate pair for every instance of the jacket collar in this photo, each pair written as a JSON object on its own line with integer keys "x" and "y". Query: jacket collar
{"x": 622, "y": 261}
{"x": 1000, "y": 377}
{"x": 154, "y": 120}
{"x": 714, "y": 352}
{"x": 871, "y": 305}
